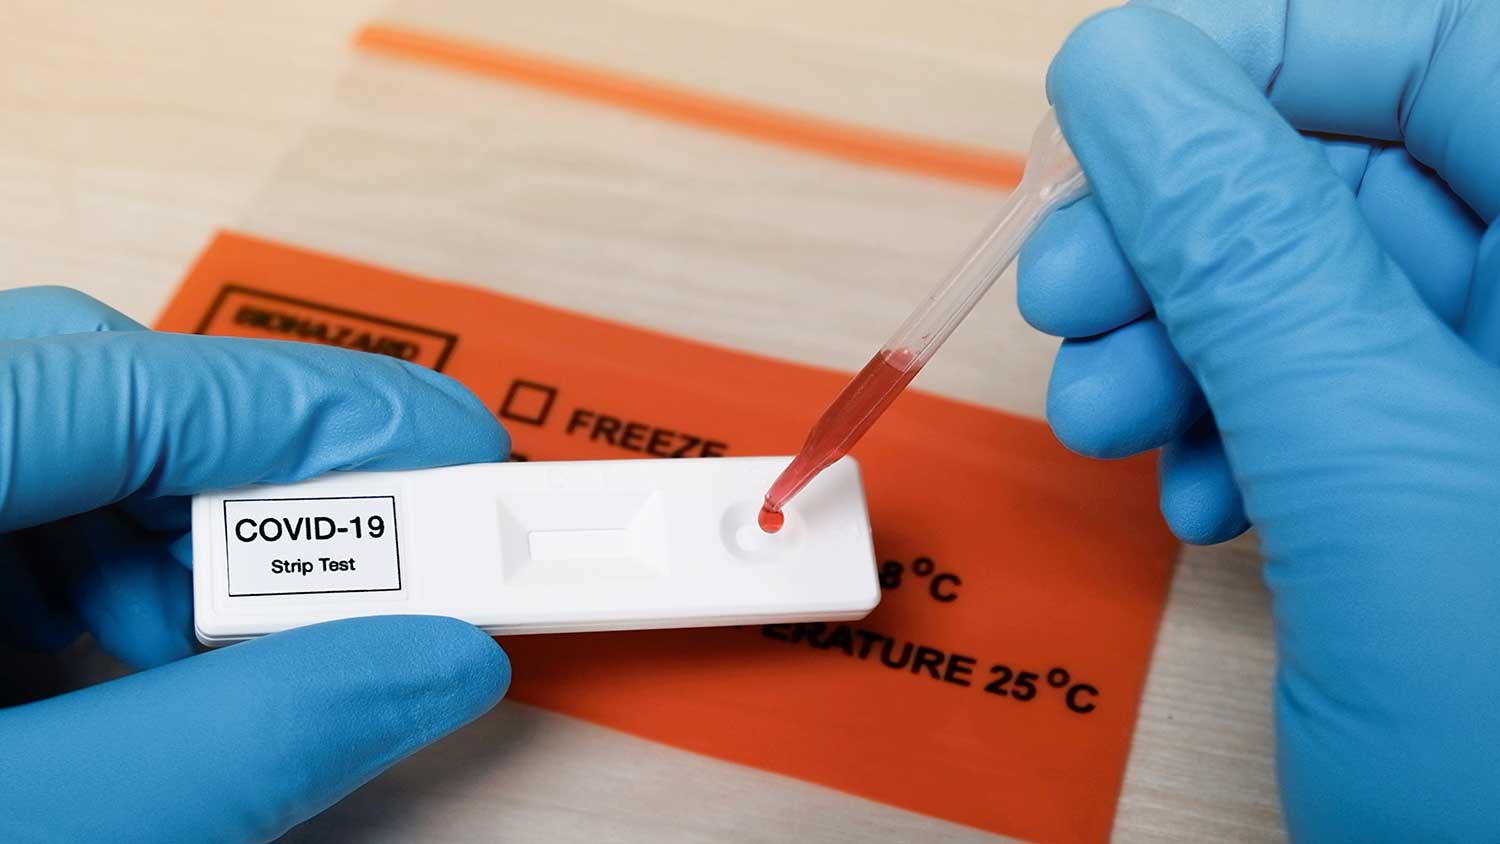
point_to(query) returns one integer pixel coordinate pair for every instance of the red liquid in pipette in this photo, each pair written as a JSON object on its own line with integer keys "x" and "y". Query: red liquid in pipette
{"x": 840, "y": 427}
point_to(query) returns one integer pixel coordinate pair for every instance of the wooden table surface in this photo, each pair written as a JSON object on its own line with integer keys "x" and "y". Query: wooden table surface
{"x": 127, "y": 136}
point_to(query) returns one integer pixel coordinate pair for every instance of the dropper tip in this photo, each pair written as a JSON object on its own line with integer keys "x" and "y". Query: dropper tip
{"x": 771, "y": 521}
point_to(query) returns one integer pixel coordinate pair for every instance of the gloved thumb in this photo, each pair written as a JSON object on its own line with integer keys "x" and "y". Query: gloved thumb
{"x": 239, "y": 745}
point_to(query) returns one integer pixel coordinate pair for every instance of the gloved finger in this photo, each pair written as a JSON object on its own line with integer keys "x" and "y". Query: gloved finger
{"x": 239, "y": 745}
{"x": 45, "y": 311}
{"x": 1425, "y": 229}
{"x": 48, "y": 311}
{"x": 1199, "y": 497}
{"x": 1481, "y": 326}
{"x": 1071, "y": 278}
{"x": 1175, "y": 139}
{"x": 163, "y": 414}
{"x": 31, "y": 616}
{"x": 181, "y": 550}
{"x": 1347, "y": 156}
{"x": 1121, "y": 393}
{"x": 138, "y": 603}
{"x": 125, "y": 587}
{"x": 1432, "y": 88}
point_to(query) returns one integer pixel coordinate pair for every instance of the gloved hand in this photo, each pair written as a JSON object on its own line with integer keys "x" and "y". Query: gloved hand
{"x": 1310, "y": 326}
{"x": 107, "y": 420}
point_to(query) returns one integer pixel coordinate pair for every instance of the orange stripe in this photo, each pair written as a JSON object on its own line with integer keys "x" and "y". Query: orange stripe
{"x": 848, "y": 141}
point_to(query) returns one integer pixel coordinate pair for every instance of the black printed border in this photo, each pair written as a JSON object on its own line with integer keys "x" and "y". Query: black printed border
{"x": 449, "y": 340}
{"x": 395, "y": 537}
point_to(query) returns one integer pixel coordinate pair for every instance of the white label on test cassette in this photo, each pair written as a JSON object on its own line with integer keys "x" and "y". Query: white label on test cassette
{"x": 534, "y": 548}
{"x": 306, "y": 546}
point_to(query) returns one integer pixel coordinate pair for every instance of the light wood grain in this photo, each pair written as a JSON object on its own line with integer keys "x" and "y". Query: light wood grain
{"x": 127, "y": 136}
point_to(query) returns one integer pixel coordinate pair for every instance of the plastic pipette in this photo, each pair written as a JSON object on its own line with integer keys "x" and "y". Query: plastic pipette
{"x": 1052, "y": 178}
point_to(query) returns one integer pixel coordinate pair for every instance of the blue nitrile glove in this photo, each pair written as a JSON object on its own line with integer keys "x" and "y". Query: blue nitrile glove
{"x": 101, "y": 418}
{"x": 1335, "y": 305}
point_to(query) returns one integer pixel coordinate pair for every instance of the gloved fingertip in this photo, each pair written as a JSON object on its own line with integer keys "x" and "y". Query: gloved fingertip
{"x": 181, "y": 550}
{"x": 263, "y": 734}
{"x": 138, "y": 604}
{"x": 1076, "y": 413}
{"x": 129, "y": 592}
{"x": 417, "y": 677}
{"x": 1199, "y": 499}
{"x": 1100, "y": 50}
{"x": 465, "y": 667}
{"x": 1202, "y": 519}
{"x": 47, "y": 310}
{"x": 435, "y": 673}
{"x": 467, "y": 430}
{"x": 1120, "y": 393}
{"x": 1252, "y": 32}
{"x": 1071, "y": 278}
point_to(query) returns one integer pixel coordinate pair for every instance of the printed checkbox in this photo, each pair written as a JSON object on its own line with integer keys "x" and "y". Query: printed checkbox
{"x": 528, "y": 402}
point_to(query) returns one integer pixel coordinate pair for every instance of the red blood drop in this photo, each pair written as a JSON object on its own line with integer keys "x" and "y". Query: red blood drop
{"x": 771, "y": 520}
